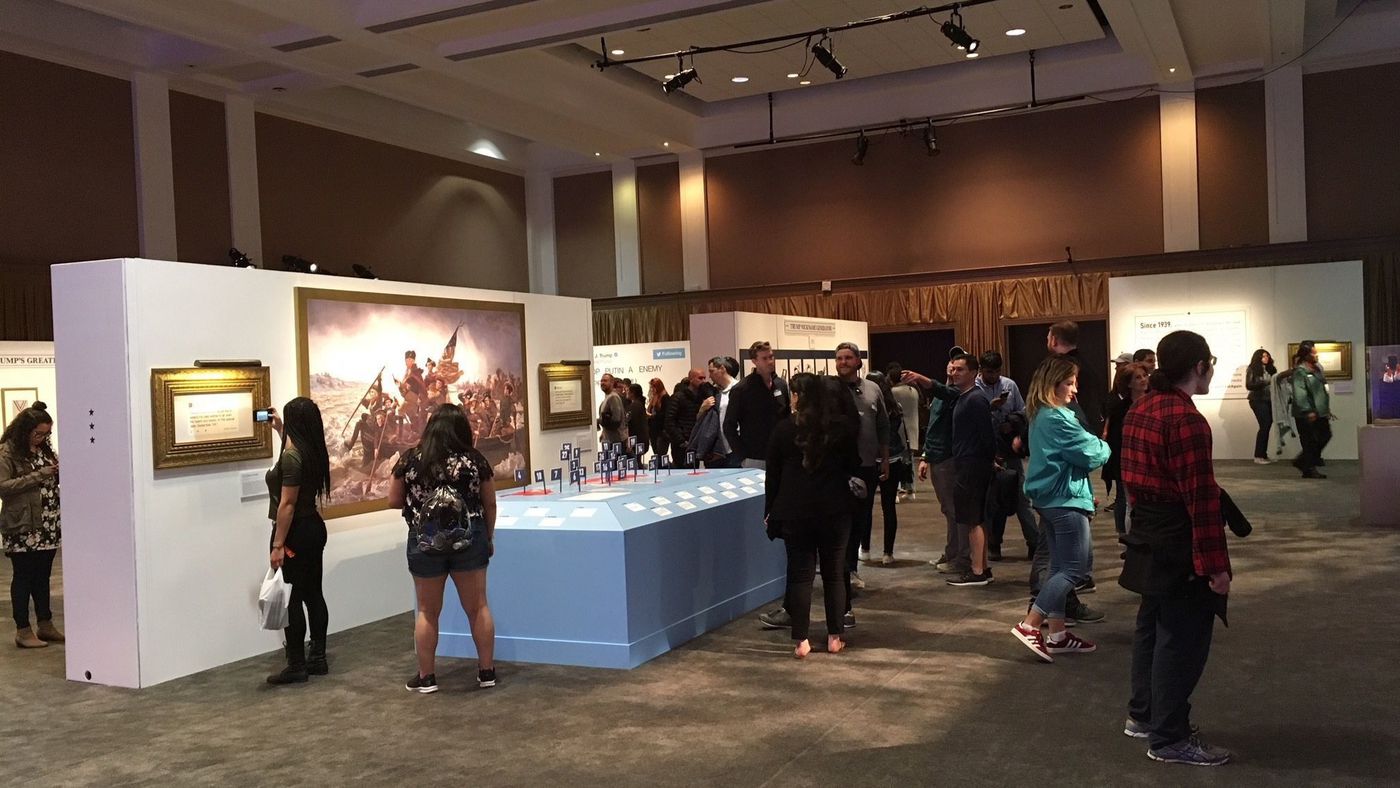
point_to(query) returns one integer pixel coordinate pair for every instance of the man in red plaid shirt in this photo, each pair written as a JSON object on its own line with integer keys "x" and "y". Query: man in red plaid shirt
{"x": 1176, "y": 554}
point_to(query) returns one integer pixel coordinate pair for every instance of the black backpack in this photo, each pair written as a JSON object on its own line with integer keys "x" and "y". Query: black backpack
{"x": 444, "y": 523}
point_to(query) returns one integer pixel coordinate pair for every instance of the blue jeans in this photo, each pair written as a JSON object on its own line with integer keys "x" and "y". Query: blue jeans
{"x": 1067, "y": 531}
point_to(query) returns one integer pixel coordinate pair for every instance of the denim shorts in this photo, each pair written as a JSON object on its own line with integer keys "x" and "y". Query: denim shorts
{"x": 422, "y": 564}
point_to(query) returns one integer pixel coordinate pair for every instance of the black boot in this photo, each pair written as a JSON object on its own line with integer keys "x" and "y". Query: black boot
{"x": 316, "y": 659}
{"x": 295, "y": 672}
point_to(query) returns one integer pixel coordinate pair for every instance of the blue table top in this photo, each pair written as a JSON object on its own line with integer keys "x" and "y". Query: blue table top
{"x": 625, "y": 505}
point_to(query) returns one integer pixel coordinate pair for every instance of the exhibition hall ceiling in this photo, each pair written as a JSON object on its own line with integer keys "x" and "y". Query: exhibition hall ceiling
{"x": 511, "y": 82}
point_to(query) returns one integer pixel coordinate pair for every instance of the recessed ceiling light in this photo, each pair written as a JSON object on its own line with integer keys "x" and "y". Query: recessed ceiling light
{"x": 739, "y": 79}
{"x": 665, "y": 144}
{"x": 805, "y": 82}
{"x": 793, "y": 76}
{"x": 1015, "y": 31}
{"x": 1172, "y": 69}
{"x": 596, "y": 153}
{"x": 970, "y": 55}
{"x": 619, "y": 52}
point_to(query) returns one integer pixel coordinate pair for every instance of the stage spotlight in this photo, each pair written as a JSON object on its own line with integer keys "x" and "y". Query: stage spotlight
{"x": 827, "y": 59}
{"x": 953, "y": 29}
{"x": 862, "y": 146}
{"x": 362, "y": 271}
{"x": 239, "y": 259}
{"x": 930, "y": 140}
{"x": 679, "y": 81}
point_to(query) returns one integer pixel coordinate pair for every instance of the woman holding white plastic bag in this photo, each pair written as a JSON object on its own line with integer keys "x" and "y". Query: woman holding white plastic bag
{"x": 300, "y": 476}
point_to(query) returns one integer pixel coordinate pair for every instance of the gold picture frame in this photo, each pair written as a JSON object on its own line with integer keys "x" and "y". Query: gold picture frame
{"x": 204, "y": 415}
{"x": 1335, "y": 358}
{"x": 344, "y": 336}
{"x": 565, "y": 396}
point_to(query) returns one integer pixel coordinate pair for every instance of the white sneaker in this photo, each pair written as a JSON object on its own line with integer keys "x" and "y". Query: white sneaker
{"x": 887, "y": 560}
{"x": 1262, "y": 461}
{"x": 863, "y": 555}
{"x": 856, "y": 582}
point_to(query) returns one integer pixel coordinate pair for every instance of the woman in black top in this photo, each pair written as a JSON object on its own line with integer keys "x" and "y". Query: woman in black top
{"x": 657, "y": 400}
{"x": 445, "y": 472}
{"x": 301, "y": 475}
{"x": 1129, "y": 384}
{"x": 1257, "y": 378}
{"x": 900, "y": 472}
{"x": 808, "y": 502}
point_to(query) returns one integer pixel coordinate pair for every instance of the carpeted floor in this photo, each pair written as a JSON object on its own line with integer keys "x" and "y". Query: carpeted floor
{"x": 933, "y": 691}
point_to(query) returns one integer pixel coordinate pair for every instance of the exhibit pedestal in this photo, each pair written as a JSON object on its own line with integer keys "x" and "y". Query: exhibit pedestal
{"x": 1380, "y": 470}
{"x": 616, "y": 575}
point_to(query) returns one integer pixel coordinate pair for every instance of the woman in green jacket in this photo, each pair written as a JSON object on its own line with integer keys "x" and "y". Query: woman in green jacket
{"x": 1311, "y": 410}
{"x": 1057, "y": 484}
{"x": 29, "y": 525}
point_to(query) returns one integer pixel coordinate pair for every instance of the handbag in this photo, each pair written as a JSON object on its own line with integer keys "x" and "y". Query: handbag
{"x": 273, "y": 600}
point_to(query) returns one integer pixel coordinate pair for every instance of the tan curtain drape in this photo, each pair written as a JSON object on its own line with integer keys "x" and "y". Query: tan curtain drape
{"x": 26, "y": 303}
{"x": 975, "y": 310}
{"x": 1381, "y": 278}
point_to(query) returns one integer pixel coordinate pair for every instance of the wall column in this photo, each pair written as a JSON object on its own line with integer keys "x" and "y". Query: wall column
{"x": 539, "y": 231}
{"x": 1283, "y": 127}
{"x": 155, "y": 168}
{"x": 695, "y": 228}
{"x": 245, "y": 205}
{"x": 1181, "y": 225}
{"x": 627, "y": 237}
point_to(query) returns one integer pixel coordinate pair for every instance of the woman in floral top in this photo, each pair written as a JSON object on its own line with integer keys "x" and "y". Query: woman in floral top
{"x": 29, "y": 524}
{"x": 442, "y": 472}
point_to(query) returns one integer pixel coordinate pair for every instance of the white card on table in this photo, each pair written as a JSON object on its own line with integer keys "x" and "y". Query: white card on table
{"x": 660, "y": 501}
{"x": 707, "y": 490}
{"x": 635, "y": 507}
{"x": 730, "y": 495}
{"x": 750, "y": 490}
{"x": 686, "y": 505}
{"x": 726, "y": 485}
{"x": 684, "y": 496}
{"x": 710, "y": 499}
{"x": 551, "y": 522}
{"x": 583, "y": 512}
{"x": 661, "y": 511}
{"x": 536, "y": 511}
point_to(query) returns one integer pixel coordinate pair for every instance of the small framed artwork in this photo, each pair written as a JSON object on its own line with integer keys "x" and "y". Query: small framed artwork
{"x": 1335, "y": 358}
{"x": 565, "y": 396}
{"x": 204, "y": 415}
{"x": 16, "y": 401}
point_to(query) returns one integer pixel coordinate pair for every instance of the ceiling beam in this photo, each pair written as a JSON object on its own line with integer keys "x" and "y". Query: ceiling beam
{"x": 1148, "y": 29}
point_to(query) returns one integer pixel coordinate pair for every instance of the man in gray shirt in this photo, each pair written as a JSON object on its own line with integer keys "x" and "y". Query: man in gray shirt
{"x": 612, "y": 414}
{"x": 873, "y": 442}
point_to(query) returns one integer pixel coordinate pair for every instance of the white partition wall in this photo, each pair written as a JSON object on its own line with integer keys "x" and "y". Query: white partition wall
{"x": 793, "y": 338}
{"x": 161, "y": 568}
{"x": 1248, "y": 308}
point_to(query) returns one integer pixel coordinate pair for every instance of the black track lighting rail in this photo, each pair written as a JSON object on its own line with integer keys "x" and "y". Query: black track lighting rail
{"x": 898, "y": 16}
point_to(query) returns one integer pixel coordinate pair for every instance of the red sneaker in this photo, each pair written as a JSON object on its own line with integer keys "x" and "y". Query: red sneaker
{"x": 1072, "y": 644}
{"x": 1032, "y": 639}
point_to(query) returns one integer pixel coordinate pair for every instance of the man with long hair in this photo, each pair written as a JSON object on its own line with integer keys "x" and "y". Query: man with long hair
{"x": 1176, "y": 558}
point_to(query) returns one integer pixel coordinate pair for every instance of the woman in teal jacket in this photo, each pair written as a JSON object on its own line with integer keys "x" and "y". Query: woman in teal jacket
{"x": 1057, "y": 484}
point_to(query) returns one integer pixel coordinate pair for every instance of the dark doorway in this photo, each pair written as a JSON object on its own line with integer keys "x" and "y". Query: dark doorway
{"x": 922, "y": 350}
{"x": 1025, "y": 349}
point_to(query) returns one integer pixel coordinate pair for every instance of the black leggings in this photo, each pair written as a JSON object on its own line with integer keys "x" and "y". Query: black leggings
{"x": 31, "y": 581}
{"x": 813, "y": 540}
{"x": 307, "y": 592}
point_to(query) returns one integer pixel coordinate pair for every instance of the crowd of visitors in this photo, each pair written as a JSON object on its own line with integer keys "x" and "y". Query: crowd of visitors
{"x": 830, "y": 445}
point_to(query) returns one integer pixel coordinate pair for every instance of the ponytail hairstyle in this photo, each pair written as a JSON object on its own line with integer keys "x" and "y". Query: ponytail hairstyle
{"x": 302, "y": 423}
{"x": 1053, "y": 371}
{"x": 1177, "y": 355}
{"x": 16, "y": 435}
{"x": 816, "y": 411}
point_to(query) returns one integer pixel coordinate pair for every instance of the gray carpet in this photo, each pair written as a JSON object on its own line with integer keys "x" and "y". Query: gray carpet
{"x": 934, "y": 689}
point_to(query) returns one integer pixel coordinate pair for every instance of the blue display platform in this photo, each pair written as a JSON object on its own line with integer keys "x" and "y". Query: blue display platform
{"x": 616, "y": 575}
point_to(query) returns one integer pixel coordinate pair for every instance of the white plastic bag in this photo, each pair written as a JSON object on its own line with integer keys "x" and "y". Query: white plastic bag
{"x": 276, "y": 594}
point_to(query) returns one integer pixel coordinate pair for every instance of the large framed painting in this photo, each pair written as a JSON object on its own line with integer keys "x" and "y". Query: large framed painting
{"x": 378, "y": 364}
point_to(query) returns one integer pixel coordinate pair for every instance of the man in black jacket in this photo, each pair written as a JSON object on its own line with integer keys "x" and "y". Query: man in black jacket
{"x": 680, "y": 415}
{"x": 756, "y": 405}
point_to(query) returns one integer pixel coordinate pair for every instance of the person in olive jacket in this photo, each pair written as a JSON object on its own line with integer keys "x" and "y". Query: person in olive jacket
{"x": 29, "y": 522}
{"x": 1257, "y": 377}
{"x": 809, "y": 504}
